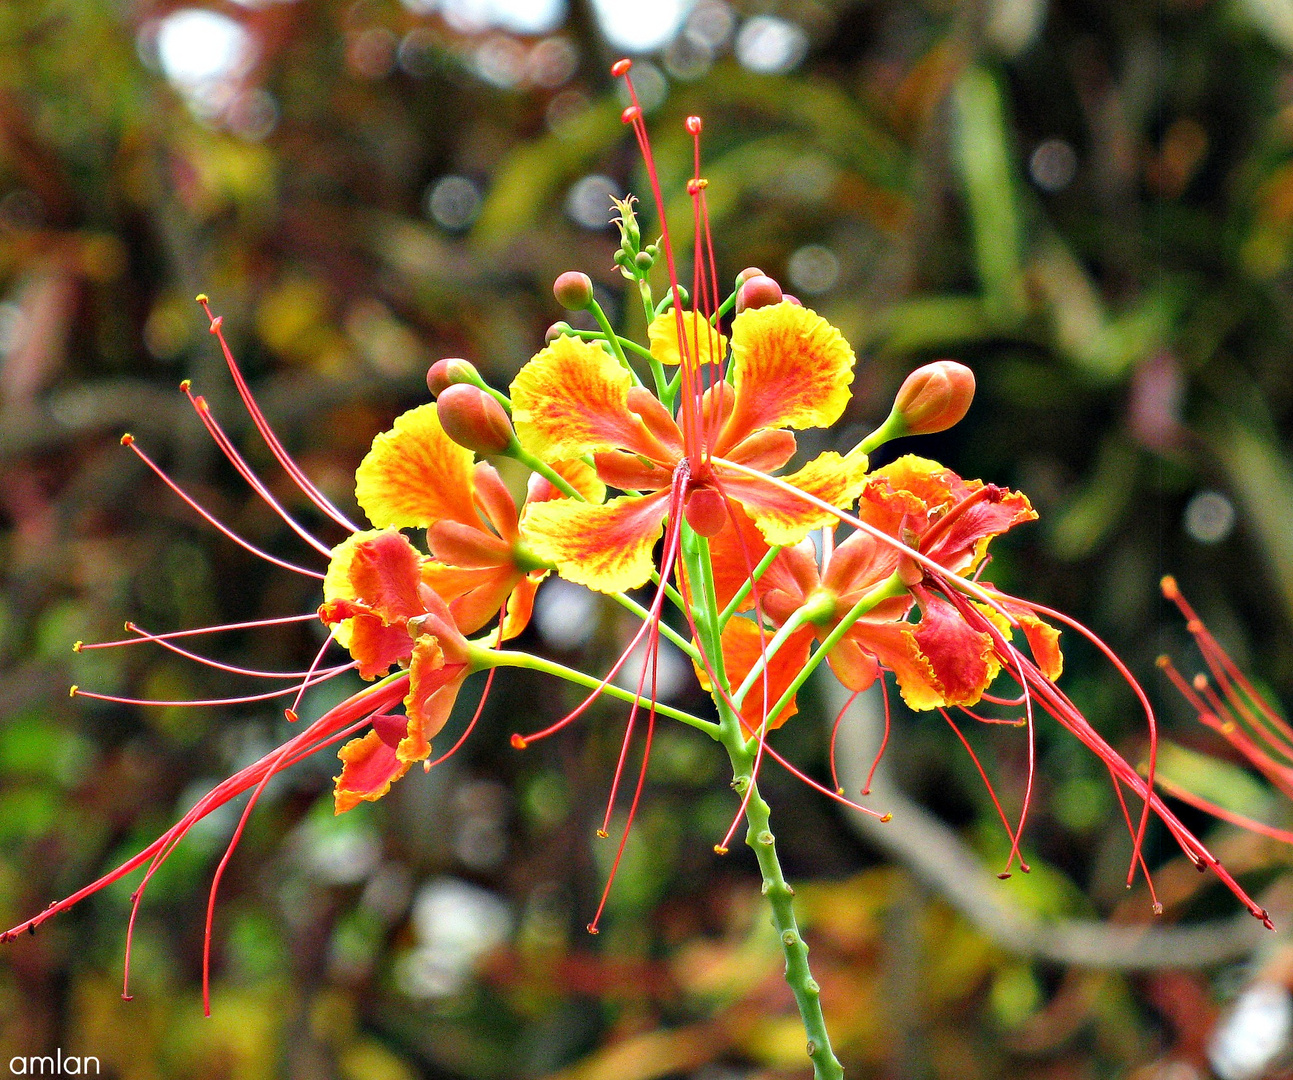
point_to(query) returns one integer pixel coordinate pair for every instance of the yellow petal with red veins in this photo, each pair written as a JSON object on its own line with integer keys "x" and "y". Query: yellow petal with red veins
{"x": 607, "y": 547}
{"x": 572, "y": 400}
{"x": 704, "y": 345}
{"x": 368, "y": 768}
{"x": 786, "y": 518}
{"x": 791, "y": 369}
{"x": 416, "y": 475}
{"x": 349, "y": 566}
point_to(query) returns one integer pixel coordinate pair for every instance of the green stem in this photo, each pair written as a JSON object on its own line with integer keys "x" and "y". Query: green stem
{"x": 746, "y": 586}
{"x": 758, "y": 836}
{"x": 613, "y": 339}
{"x": 665, "y": 629}
{"x": 797, "y": 619}
{"x": 625, "y": 343}
{"x": 545, "y": 470}
{"x": 508, "y": 658}
{"x": 890, "y": 587}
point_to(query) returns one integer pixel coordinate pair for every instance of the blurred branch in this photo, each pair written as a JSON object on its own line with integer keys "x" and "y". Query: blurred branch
{"x": 938, "y": 857}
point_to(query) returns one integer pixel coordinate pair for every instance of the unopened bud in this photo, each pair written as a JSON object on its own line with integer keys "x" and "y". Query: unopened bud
{"x": 448, "y": 372}
{"x": 556, "y": 330}
{"x": 471, "y": 418}
{"x": 934, "y": 397}
{"x": 746, "y": 274}
{"x": 573, "y": 290}
{"x": 792, "y": 300}
{"x": 756, "y": 292}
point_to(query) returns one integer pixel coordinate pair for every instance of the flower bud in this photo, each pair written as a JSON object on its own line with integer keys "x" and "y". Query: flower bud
{"x": 556, "y": 330}
{"x": 756, "y": 292}
{"x": 746, "y": 274}
{"x": 934, "y": 397}
{"x": 706, "y": 511}
{"x": 445, "y": 373}
{"x": 573, "y": 290}
{"x": 472, "y": 418}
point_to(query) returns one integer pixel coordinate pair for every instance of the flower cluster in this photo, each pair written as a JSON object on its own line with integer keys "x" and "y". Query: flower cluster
{"x": 689, "y": 436}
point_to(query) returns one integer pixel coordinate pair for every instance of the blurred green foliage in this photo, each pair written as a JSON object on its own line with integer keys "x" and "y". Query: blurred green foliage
{"x": 1090, "y": 203}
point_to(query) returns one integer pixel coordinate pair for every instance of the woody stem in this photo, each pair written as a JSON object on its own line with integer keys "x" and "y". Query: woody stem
{"x": 758, "y": 835}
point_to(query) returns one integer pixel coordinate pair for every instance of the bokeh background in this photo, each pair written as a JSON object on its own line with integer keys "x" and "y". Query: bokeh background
{"x": 1091, "y": 203}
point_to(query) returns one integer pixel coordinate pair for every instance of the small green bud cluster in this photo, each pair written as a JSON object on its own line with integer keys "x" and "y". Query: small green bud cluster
{"x": 634, "y": 260}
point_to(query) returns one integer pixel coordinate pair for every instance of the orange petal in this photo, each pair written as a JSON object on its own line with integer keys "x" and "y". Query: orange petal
{"x": 791, "y": 369}
{"x": 462, "y": 545}
{"x": 894, "y": 645}
{"x": 572, "y": 400}
{"x": 765, "y": 450}
{"x": 416, "y": 475}
{"x": 371, "y": 569}
{"x": 520, "y": 604}
{"x": 495, "y": 501}
{"x": 1044, "y": 641}
{"x": 433, "y": 688}
{"x": 629, "y": 472}
{"x": 855, "y": 668}
{"x": 784, "y": 518}
{"x": 606, "y": 547}
{"x": 857, "y": 565}
{"x": 738, "y": 548}
{"x": 742, "y": 647}
{"x": 368, "y": 768}
{"x": 704, "y": 344}
{"x": 963, "y": 659}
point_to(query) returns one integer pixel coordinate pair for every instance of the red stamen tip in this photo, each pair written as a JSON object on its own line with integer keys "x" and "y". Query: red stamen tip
{"x": 1163, "y": 661}
{"x": 1004, "y": 875}
{"x": 602, "y": 834}
{"x": 202, "y": 298}
{"x": 518, "y": 742}
{"x": 1200, "y": 681}
{"x": 200, "y": 403}
{"x": 127, "y": 439}
{"x": 696, "y": 186}
{"x": 719, "y": 849}
{"x": 621, "y": 67}
{"x": 1158, "y": 907}
{"x": 291, "y": 715}
{"x": 216, "y": 323}
{"x": 694, "y": 125}
{"x": 1168, "y": 585}
{"x": 1025, "y": 867}
{"x": 592, "y": 929}
{"x": 633, "y": 112}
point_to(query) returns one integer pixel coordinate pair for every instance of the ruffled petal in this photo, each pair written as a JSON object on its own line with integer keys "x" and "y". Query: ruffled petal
{"x": 370, "y": 593}
{"x": 606, "y": 547}
{"x": 704, "y": 344}
{"x": 433, "y": 688}
{"x": 572, "y": 400}
{"x": 895, "y": 646}
{"x": 791, "y": 369}
{"x": 368, "y": 768}
{"x": 963, "y": 659}
{"x": 784, "y": 518}
{"x": 416, "y": 475}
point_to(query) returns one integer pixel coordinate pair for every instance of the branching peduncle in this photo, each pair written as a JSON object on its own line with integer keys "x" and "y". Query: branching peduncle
{"x": 695, "y": 554}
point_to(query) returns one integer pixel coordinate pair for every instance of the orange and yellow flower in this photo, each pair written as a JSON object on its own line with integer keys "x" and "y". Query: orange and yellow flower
{"x": 790, "y": 370}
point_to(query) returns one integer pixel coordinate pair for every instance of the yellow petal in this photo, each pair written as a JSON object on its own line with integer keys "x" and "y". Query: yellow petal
{"x": 785, "y": 518}
{"x": 704, "y": 344}
{"x": 415, "y": 475}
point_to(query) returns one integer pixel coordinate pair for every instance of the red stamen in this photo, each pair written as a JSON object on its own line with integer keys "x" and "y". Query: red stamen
{"x": 884, "y": 739}
{"x": 262, "y": 425}
{"x": 991, "y": 790}
{"x": 231, "y": 668}
{"x": 76, "y": 691}
{"x": 835, "y": 732}
{"x": 226, "y": 446}
{"x": 129, "y": 441}
{"x": 1200, "y": 803}
{"x": 254, "y": 624}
